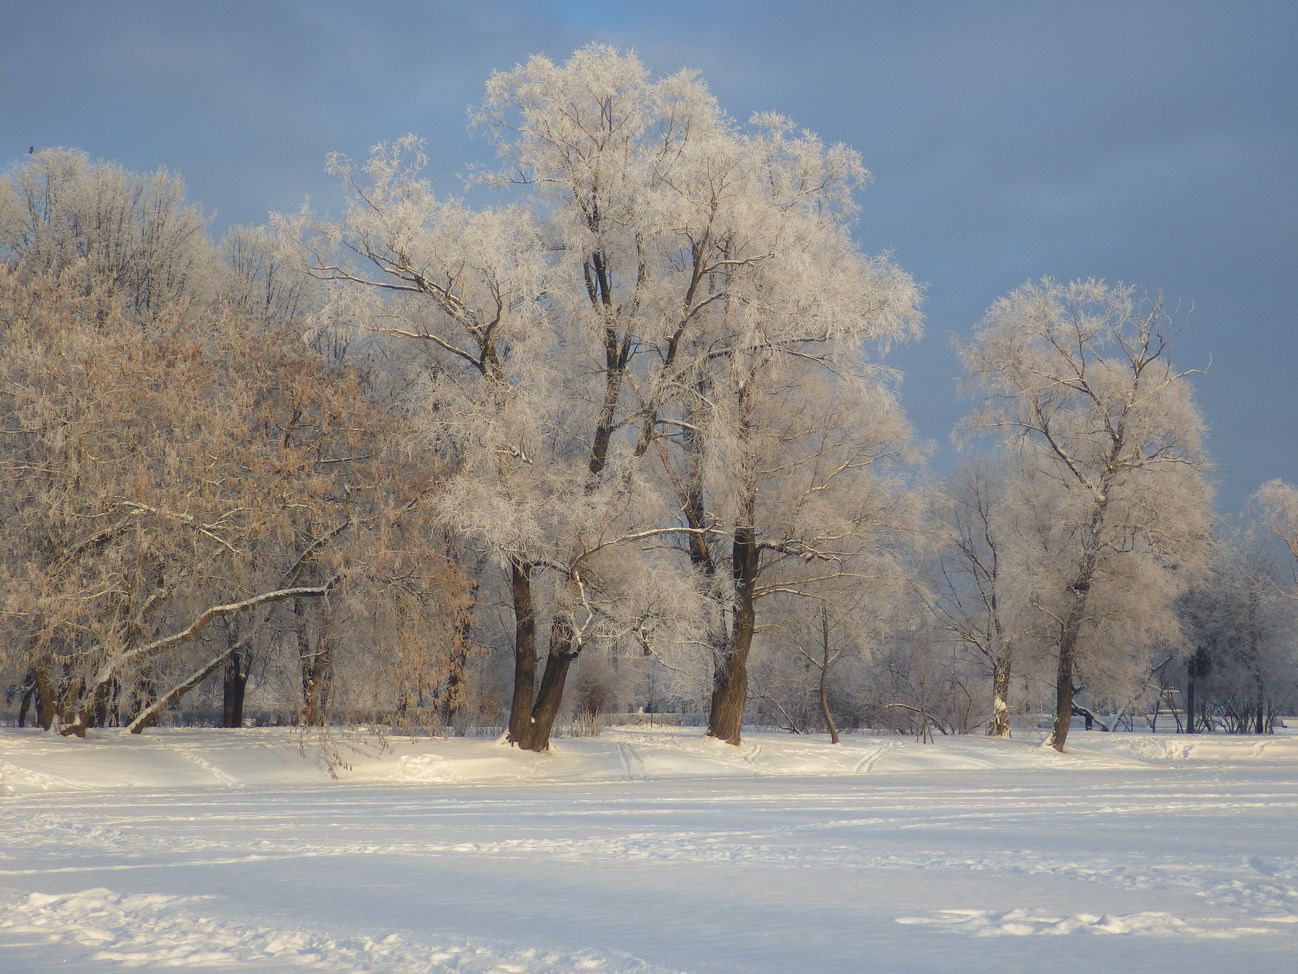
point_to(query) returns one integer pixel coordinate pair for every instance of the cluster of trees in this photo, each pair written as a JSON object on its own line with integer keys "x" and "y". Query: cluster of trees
{"x": 190, "y": 490}
{"x": 430, "y": 464}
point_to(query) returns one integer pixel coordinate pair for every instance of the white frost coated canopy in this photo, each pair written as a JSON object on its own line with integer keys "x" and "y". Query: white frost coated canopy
{"x": 657, "y": 258}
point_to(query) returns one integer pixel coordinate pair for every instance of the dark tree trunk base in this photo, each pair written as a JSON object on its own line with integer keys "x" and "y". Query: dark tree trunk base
{"x": 234, "y": 688}
{"x": 520, "y": 709}
{"x": 729, "y": 695}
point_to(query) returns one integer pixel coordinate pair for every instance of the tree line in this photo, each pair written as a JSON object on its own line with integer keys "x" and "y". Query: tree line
{"x": 626, "y": 440}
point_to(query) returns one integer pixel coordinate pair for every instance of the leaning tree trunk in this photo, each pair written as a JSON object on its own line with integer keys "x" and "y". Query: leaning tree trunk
{"x": 1069, "y": 635}
{"x": 549, "y": 697}
{"x": 1064, "y": 675}
{"x": 999, "y": 725}
{"x": 541, "y": 715}
{"x": 148, "y": 717}
{"x": 1071, "y": 630}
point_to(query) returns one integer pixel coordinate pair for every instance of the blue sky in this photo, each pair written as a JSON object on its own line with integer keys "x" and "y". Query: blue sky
{"x": 1150, "y": 142}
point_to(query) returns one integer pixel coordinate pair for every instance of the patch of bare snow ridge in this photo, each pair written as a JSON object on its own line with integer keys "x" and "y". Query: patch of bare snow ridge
{"x": 152, "y": 931}
{"x": 1027, "y": 922}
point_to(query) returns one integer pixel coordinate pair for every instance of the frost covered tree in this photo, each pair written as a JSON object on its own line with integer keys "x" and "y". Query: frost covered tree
{"x": 1277, "y": 503}
{"x": 988, "y": 561}
{"x": 662, "y": 275}
{"x": 717, "y": 260}
{"x": 1240, "y": 639}
{"x": 1079, "y": 375}
{"x": 796, "y": 479}
{"x": 468, "y": 286}
{"x": 122, "y": 235}
{"x": 124, "y": 511}
{"x": 169, "y": 483}
{"x": 813, "y": 645}
{"x": 259, "y": 281}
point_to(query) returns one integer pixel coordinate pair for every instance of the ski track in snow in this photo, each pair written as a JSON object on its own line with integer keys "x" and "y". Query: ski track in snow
{"x": 867, "y": 763}
{"x": 631, "y": 763}
{"x": 221, "y": 777}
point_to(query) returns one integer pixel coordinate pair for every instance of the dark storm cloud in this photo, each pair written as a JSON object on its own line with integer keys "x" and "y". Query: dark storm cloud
{"x": 1155, "y": 143}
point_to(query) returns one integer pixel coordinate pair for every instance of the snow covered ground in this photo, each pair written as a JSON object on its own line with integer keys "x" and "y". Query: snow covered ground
{"x": 648, "y": 851}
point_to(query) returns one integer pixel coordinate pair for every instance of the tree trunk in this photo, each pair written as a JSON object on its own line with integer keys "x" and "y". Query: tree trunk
{"x": 1189, "y": 697}
{"x": 46, "y": 698}
{"x": 550, "y": 697}
{"x": 999, "y": 725}
{"x": 1260, "y": 726}
{"x": 453, "y": 692}
{"x": 28, "y": 696}
{"x": 317, "y": 682}
{"x": 1063, "y": 673}
{"x": 74, "y": 718}
{"x": 234, "y": 687}
{"x": 149, "y": 716}
{"x": 315, "y": 660}
{"x": 1071, "y": 631}
{"x": 102, "y": 704}
{"x": 825, "y": 661}
{"x": 730, "y": 682}
{"x": 824, "y": 706}
{"x": 1063, "y": 692}
{"x": 530, "y": 724}
{"x": 520, "y": 711}
{"x": 729, "y": 695}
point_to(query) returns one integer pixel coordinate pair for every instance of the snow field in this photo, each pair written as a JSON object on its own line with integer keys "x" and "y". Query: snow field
{"x": 646, "y": 851}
